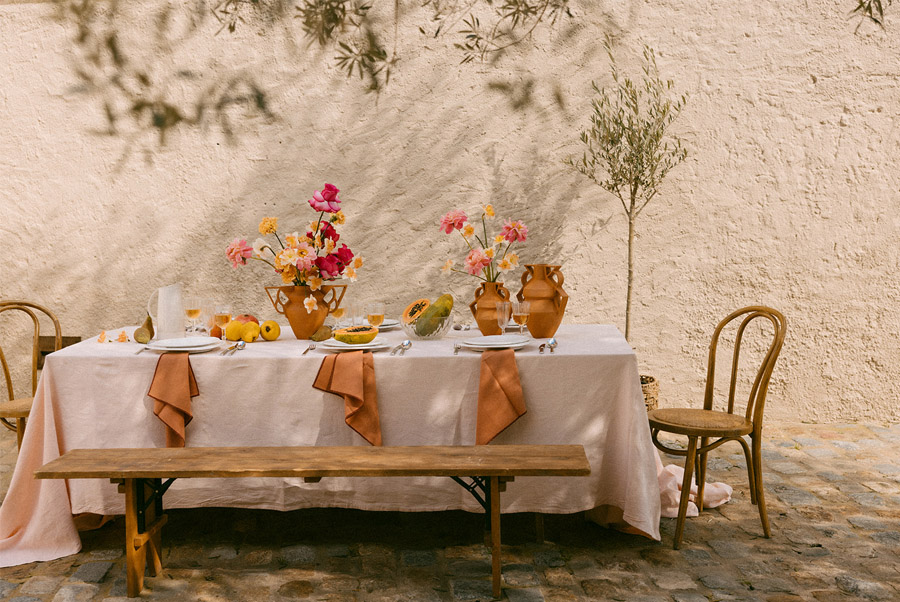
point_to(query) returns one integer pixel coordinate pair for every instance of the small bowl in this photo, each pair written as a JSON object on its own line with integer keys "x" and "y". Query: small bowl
{"x": 443, "y": 325}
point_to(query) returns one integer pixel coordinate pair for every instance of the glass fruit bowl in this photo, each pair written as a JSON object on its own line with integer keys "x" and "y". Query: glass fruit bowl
{"x": 427, "y": 329}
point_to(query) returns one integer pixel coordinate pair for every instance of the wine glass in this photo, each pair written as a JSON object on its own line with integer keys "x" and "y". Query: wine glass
{"x": 503, "y": 311}
{"x": 337, "y": 314}
{"x": 520, "y": 310}
{"x": 375, "y": 314}
{"x": 222, "y": 316}
{"x": 193, "y": 307}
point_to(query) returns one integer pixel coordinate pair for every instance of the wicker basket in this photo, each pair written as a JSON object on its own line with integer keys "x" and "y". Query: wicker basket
{"x": 650, "y": 388}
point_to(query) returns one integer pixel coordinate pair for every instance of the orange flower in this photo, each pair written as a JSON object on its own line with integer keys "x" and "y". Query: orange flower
{"x": 268, "y": 225}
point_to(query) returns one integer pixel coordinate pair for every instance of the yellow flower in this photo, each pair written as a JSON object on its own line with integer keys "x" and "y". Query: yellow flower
{"x": 310, "y": 304}
{"x": 499, "y": 239}
{"x": 447, "y": 266}
{"x": 288, "y": 274}
{"x": 314, "y": 226}
{"x": 315, "y": 283}
{"x": 329, "y": 245}
{"x": 293, "y": 239}
{"x": 350, "y": 273}
{"x": 268, "y": 225}
{"x": 357, "y": 262}
{"x": 468, "y": 231}
{"x": 513, "y": 258}
{"x": 506, "y": 265}
{"x": 489, "y": 210}
{"x": 489, "y": 252}
{"x": 338, "y": 218}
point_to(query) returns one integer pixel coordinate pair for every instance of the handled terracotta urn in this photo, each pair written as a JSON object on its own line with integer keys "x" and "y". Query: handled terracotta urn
{"x": 542, "y": 287}
{"x": 484, "y": 307}
{"x": 288, "y": 300}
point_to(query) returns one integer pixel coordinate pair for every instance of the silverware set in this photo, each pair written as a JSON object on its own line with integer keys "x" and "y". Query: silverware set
{"x": 551, "y": 344}
{"x": 236, "y": 347}
{"x": 402, "y": 347}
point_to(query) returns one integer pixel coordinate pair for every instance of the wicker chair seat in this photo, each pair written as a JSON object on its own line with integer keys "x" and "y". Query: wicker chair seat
{"x": 703, "y": 423}
{"x": 16, "y": 408}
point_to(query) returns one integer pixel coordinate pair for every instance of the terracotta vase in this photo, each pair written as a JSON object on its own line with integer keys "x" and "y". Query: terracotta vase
{"x": 288, "y": 300}
{"x": 484, "y": 307}
{"x": 542, "y": 287}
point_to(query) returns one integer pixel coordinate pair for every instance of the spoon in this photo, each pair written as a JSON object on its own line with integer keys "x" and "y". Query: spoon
{"x": 552, "y": 343}
{"x": 406, "y": 344}
{"x": 240, "y": 345}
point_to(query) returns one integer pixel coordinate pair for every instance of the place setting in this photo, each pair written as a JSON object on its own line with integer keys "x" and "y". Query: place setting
{"x": 515, "y": 311}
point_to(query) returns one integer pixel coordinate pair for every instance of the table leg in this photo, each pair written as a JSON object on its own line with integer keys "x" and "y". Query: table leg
{"x": 20, "y": 432}
{"x": 495, "y": 535}
{"x": 154, "y": 543}
{"x": 135, "y": 556}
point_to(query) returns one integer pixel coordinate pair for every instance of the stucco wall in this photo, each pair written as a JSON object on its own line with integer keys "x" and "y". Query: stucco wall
{"x": 788, "y": 196}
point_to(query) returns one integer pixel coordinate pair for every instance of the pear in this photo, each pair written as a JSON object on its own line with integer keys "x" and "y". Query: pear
{"x": 144, "y": 332}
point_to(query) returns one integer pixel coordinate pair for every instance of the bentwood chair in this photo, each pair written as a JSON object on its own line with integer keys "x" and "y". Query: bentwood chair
{"x": 14, "y": 411}
{"x": 728, "y": 424}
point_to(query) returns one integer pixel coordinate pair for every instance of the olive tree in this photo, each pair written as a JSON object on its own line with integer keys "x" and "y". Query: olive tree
{"x": 629, "y": 149}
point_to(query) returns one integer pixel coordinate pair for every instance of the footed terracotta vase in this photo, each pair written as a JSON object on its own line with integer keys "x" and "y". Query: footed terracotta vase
{"x": 484, "y": 307}
{"x": 288, "y": 300}
{"x": 542, "y": 287}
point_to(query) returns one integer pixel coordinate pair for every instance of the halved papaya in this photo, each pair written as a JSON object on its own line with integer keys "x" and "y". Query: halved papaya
{"x": 414, "y": 310}
{"x": 356, "y": 335}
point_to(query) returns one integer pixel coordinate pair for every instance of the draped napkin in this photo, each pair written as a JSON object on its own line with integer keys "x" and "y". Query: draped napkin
{"x": 500, "y": 398}
{"x": 352, "y": 376}
{"x": 173, "y": 387}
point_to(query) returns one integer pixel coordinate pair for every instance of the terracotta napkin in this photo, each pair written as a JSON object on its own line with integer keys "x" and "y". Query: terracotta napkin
{"x": 173, "y": 387}
{"x": 500, "y": 398}
{"x": 352, "y": 375}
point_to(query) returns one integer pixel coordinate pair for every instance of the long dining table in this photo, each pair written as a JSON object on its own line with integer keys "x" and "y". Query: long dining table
{"x": 94, "y": 394}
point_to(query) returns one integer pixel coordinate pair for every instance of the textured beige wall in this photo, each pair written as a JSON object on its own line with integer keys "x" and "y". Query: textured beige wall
{"x": 788, "y": 196}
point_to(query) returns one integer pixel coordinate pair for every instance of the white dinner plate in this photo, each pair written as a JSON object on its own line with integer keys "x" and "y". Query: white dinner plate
{"x": 193, "y": 349}
{"x": 388, "y": 324}
{"x": 496, "y": 341}
{"x": 334, "y": 346}
{"x": 184, "y": 343}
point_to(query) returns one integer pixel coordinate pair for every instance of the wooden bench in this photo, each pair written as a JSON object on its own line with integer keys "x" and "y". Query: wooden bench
{"x": 140, "y": 472}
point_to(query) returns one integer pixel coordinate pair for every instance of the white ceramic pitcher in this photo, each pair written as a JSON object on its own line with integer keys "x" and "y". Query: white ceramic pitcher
{"x": 169, "y": 319}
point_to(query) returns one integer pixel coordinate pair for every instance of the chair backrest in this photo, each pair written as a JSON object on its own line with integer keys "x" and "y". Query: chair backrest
{"x": 29, "y": 308}
{"x": 757, "y": 399}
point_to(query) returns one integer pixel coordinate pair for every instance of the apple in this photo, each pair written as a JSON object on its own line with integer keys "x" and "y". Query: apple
{"x": 246, "y": 318}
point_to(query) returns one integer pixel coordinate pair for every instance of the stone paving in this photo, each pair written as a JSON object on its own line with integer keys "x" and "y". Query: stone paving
{"x": 833, "y": 494}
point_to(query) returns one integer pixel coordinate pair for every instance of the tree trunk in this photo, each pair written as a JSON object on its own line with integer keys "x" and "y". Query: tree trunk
{"x": 630, "y": 276}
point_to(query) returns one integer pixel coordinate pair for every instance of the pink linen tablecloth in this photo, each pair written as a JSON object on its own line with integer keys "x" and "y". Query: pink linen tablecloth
{"x": 95, "y": 395}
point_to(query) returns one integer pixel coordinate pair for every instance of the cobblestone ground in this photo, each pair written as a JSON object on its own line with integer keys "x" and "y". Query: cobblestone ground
{"x": 833, "y": 495}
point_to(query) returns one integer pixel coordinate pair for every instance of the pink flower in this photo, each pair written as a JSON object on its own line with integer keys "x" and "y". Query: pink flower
{"x": 239, "y": 252}
{"x": 326, "y": 200}
{"x": 344, "y": 255}
{"x": 514, "y": 231}
{"x": 329, "y": 266}
{"x": 454, "y": 220}
{"x": 476, "y": 261}
{"x": 305, "y": 257}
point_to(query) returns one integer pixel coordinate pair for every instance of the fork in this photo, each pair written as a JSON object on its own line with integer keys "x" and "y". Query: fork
{"x": 456, "y": 348}
{"x": 308, "y": 349}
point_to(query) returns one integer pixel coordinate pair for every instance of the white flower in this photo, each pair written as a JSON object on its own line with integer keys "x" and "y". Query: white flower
{"x": 262, "y": 249}
{"x": 310, "y": 304}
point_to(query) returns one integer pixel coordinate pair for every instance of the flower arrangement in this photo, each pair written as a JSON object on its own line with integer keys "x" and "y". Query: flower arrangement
{"x": 307, "y": 260}
{"x": 484, "y": 259}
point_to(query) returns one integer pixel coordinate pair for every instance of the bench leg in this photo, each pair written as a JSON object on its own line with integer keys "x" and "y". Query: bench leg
{"x": 495, "y": 535}
{"x": 135, "y": 557}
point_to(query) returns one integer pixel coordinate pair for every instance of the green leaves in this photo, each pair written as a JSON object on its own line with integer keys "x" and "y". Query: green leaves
{"x": 628, "y": 148}
{"x": 870, "y": 9}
